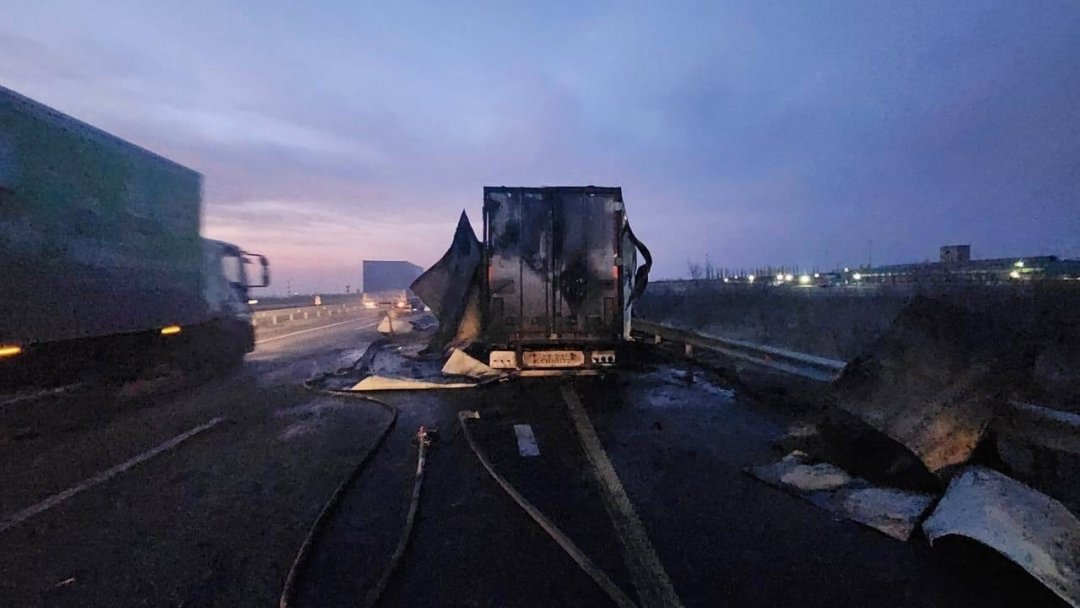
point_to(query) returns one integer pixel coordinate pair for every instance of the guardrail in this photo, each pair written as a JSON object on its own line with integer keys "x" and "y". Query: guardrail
{"x": 279, "y": 315}
{"x": 787, "y": 361}
{"x": 1053, "y": 428}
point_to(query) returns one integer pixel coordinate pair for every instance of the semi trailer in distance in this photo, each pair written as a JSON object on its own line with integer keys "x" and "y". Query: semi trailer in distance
{"x": 386, "y": 283}
{"x": 551, "y": 287}
{"x": 104, "y": 265}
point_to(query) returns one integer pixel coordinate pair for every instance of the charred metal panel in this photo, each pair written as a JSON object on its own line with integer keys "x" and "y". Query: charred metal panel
{"x": 553, "y": 259}
{"x": 450, "y": 289}
{"x": 97, "y": 235}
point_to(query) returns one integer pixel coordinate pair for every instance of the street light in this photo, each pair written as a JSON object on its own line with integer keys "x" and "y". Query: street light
{"x": 789, "y": 278}
{"x": 804, "y": 279}
{"x": 751, "y": 278}
{"x": 857, "y": 276}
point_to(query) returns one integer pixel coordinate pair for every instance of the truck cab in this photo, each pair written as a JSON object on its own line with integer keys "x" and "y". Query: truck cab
{"x": 227, "y": 281}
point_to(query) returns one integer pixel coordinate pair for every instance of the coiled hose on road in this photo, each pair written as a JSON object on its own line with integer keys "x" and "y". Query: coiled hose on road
{"x": 288, "y": 593}
{"x": 423, "y": 441}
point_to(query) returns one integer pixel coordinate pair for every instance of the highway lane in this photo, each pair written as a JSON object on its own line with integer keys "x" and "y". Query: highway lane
{"x": 679, "y": 448}
{"x": 217, "y": 520}
{"x": 214, "y": 520}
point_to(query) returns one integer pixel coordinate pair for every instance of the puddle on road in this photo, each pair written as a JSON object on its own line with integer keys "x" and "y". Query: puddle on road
{"x": 662, "y": 397}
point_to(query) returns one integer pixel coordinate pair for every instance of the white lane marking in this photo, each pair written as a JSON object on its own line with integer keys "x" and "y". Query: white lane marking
{"x": 650, "y": 579}
{"x": 15, "y": 519}
{"x": 297, "y": 333}
{"x": 526, "y": 440}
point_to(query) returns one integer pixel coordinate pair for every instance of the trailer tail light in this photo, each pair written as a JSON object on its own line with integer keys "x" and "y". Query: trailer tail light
{"x": 10, "y": 350}
{"x": 615, "y": 272}
{"x": 170, "y": 330}
{"x": 603, "y": 357}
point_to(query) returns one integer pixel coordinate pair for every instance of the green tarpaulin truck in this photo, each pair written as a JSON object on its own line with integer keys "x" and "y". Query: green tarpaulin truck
{"x": 102, "y": 257}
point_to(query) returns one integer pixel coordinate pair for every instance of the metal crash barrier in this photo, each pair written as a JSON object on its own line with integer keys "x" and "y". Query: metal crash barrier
{"x": 807, "y": 366}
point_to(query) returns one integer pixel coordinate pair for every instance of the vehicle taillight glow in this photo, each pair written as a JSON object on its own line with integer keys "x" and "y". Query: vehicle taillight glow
{"x": 615, "y": 272}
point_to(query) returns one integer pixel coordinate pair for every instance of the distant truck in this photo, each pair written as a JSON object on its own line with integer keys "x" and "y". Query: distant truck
{"x": 103, "y": 264}
{"x": 386, "y": 284}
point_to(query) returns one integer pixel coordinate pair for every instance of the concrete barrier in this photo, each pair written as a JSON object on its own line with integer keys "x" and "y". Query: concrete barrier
{"x": 279, "y": 316}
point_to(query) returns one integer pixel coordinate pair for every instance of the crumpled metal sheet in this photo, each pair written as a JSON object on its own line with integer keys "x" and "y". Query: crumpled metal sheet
{"x": 796, "y": 472}
{"x": 1029, "y": 528}
{"x": 450, "y": 289}
{"x": 891, "y": 511}
{"x": 929, "y": 383}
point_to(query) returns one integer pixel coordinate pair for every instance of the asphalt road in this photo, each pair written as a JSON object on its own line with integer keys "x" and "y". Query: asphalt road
{"x": 217, "y": 519}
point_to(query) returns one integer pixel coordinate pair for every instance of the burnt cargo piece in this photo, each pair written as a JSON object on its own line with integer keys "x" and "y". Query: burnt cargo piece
{"x": 559, "y": 270}
{"x": 101, "y": 248}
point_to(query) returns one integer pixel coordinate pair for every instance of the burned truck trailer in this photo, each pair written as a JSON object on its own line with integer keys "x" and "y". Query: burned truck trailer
{"x": 550, "y": 287}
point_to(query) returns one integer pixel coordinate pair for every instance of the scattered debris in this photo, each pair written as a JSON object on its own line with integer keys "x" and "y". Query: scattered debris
{"x": 385, "y": 383}
{"x": 390, "y": 325}
{"x": 1029, "y": 528}
{"x": 891, "y": 511}
{"x": 424, "y": 323}
{"x": 64, "y": 583}
{"x": 802, "y": 437}
{"x": 795, "y": 471}
{"x": 461, "y": 363}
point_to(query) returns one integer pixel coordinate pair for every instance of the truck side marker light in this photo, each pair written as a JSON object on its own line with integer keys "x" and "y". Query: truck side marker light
{"x": 10, "y": 350}
{"x": 170, "y": 330}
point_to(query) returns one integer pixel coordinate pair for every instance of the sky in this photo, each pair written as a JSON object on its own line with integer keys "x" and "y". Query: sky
{"x": 805, "y": 133}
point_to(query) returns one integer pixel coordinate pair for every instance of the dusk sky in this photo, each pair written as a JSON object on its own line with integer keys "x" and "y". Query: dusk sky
{"x": 752, "y": 132}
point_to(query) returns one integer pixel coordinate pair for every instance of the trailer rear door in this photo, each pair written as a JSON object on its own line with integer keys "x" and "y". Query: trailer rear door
{"x": 552, "y": 264}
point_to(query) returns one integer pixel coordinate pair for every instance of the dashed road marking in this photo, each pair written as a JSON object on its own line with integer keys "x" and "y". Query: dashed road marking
{"x": 304, "y": 331}
{"x": 650, "y": 579}
{"x": 526, "y": 440}
{"x": 17, "y": 518}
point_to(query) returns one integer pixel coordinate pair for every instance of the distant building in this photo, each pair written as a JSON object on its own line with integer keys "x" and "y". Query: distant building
{"x": 957, "y": 267}
{"x": 955, "y": 254}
